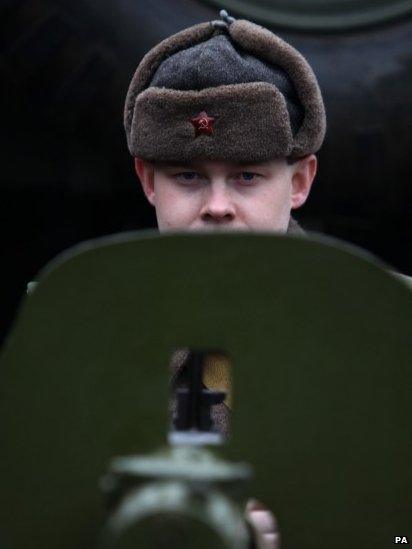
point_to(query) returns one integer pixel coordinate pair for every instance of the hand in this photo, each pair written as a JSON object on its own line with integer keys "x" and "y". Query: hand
{"x": 263, "y": 524}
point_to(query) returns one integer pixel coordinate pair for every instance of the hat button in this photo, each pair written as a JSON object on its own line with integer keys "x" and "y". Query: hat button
{"x": 223, "y": 14}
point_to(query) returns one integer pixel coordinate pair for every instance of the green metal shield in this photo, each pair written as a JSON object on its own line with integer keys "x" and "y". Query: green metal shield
{"x": 326, "y": 15}
{"x": 320, "y": 341}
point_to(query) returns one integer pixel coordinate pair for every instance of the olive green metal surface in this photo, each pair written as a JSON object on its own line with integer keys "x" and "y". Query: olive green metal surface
{"x": 320, "y": 339}
{"x": 327, "y": 15}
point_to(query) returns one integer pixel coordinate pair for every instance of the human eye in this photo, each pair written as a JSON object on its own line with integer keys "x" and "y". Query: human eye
{"x": 247, "y": 178}
{"x": 187, "y": 178}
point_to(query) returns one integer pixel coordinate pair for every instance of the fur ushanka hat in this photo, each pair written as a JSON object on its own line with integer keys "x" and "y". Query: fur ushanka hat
{"x": 224, "y": 90}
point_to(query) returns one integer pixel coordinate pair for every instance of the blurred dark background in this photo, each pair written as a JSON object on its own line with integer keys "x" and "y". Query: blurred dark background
{"x": 67, "y": 175}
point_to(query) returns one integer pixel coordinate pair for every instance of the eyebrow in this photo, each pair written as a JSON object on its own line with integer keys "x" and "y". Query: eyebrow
{"x": 256, "y": 165}
{"x": 196, "y": 166}
{"x": 163, "y": 164}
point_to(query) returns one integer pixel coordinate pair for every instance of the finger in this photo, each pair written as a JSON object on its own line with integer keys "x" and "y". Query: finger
{"x": 264, "y": 521}
{"x": 270, "y": 541}
{"x": 263, "y": 524}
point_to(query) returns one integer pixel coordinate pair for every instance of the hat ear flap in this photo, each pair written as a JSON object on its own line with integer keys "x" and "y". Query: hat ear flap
{"x": 271, "y": 48}
{"x": 150, "y": 62}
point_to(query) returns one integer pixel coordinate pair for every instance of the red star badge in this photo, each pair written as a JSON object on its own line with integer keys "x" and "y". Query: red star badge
{"x": 202, "y": 123}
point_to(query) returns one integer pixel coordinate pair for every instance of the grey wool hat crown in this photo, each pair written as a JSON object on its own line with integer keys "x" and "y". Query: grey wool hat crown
{"x": 224, "y": 90}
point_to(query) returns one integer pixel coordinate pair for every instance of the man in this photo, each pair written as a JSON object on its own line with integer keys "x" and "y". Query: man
{"x": 223, "y": 120}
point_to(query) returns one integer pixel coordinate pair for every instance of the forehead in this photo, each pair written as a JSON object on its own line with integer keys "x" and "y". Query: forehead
{"x": 222, "y": 165}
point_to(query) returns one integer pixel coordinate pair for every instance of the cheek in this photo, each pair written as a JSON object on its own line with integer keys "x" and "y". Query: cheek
{"x": 272, "y": 207}
{"x": 175, "y": 209}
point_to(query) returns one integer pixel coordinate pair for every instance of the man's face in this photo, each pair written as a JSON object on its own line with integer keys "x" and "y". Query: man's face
{"x": 219, "y": 195}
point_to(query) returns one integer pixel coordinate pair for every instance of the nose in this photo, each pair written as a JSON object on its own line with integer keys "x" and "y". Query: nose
{"x": 218, "y": 207}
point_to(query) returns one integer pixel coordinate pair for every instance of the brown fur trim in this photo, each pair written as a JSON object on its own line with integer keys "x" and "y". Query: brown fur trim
{"x": 150, "y": 62}
{"x": 251, "y": 124}
{"x": 156, "y": 138}
{"x": 266, "y": 45}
